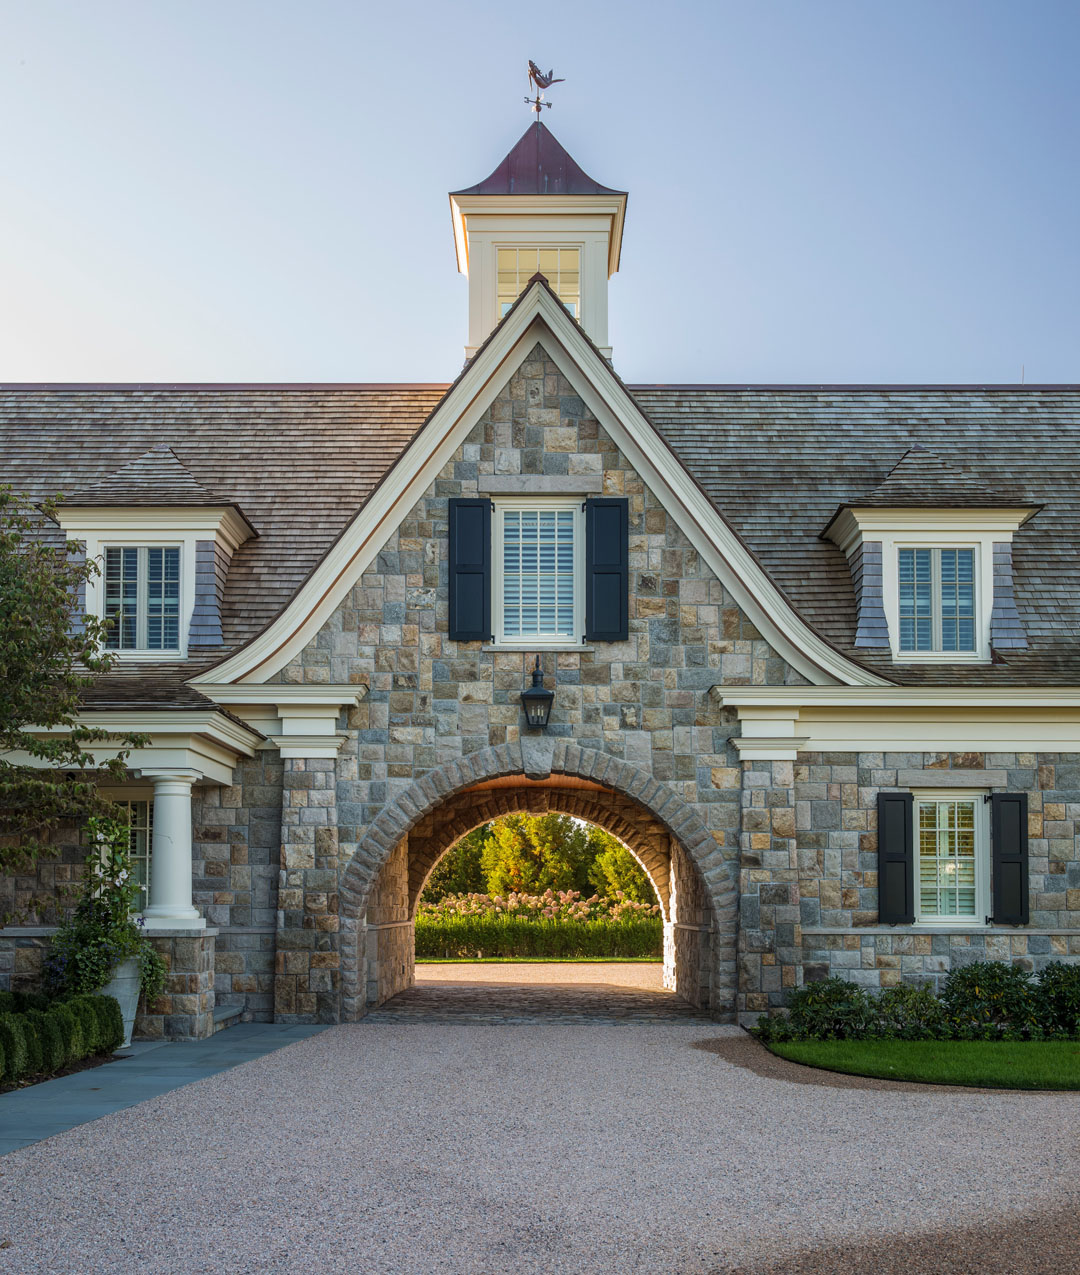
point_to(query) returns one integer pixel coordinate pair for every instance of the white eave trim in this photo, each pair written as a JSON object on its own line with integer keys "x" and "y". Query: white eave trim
{"x": 968, "y": 697}
{"x": 538, "y": 316}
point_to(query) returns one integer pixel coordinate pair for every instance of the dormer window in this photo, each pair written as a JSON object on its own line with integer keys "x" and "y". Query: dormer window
{"x": 142, "y": 597}
{"x": 930, "y": 550}
{"x": 163, "y": 543}
{"x": 560, "y": 266}
{"x": 936, "y": 602}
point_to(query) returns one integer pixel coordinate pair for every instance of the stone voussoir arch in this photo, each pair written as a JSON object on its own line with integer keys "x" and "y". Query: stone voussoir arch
{"x": 531, "y": 759}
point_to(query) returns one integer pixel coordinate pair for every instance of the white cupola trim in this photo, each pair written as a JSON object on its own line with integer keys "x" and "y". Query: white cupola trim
{"x": 538, "y": 212}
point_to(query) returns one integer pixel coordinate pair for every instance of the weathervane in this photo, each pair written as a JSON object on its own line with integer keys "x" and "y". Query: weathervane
{"x": 538, "y": 81}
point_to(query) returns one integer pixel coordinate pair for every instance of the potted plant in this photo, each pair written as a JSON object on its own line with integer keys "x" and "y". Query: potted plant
{"x": 101, "y": 946}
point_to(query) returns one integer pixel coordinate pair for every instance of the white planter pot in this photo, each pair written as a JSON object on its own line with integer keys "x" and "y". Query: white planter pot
{"x": 124, "y": 985}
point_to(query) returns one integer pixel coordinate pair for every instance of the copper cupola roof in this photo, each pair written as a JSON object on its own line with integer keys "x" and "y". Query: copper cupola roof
{"x": 538, "y": 165}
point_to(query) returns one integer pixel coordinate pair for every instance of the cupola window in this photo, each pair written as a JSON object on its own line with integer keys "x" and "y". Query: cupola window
{"x": 560, "y": 266}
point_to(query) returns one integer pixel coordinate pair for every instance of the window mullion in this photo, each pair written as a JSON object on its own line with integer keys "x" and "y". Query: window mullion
{"x": 142, "y": 592}
{"x": 935, "y": 598}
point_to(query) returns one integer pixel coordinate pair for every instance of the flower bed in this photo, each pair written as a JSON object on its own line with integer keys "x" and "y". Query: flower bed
{"x": 39, "y": 1037}
{"x": 552, "y": 924}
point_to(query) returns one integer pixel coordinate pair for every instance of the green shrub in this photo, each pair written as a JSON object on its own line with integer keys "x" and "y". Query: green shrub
{"x": 83, "y": 1009}
{"x": 51, "y": 1039}
{"x": 909, "y": 1013}
{"x": 27, "y": 1001}
{"x": 9, "y": 1003}
{"x": 110, "y": 1022}
{"x": 71, "y": 1034}
{"x": 989, "y": 1000}
{"x": 1057, "y": 1000}
{"x": 13, "y": 1043}
{"x": 35, "y": 1063}
{"x": 3, "y": 1061}
{"x": 487, "y": 935}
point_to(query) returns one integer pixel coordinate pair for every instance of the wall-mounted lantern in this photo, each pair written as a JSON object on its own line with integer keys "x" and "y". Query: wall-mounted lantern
{"x": 537, "y": 701}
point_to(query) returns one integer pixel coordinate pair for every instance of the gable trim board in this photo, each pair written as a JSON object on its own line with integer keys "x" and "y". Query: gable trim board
{"x": 538, "y": 316}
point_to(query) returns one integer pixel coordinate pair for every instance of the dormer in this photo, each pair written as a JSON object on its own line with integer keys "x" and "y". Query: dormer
{"x": 538, "y": 212}
{"x": 930, "y": 551}
{"x": 163, "y": 543}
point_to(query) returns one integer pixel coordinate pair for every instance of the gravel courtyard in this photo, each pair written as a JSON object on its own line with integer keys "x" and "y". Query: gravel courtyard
{"x": 413, "y": 1148}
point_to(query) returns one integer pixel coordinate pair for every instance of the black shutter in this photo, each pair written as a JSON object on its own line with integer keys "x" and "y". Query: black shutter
{"x": 607, "y": 572}
{"x": 1009, "y": 845}
{"x": 470, "y": 570}
{"x": 896, "y": 858}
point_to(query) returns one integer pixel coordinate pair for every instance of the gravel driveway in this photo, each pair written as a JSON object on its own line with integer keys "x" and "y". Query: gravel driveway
{"x": 418, "y": 1148}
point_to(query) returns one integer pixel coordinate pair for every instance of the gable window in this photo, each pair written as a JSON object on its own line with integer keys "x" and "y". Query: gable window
{"x": 538, "y": 573}
{"x": 936, "y": 589}
{"x": 142, "y": 597}
{"x": 560, "y": 266}
{"x": 952, "y": 857}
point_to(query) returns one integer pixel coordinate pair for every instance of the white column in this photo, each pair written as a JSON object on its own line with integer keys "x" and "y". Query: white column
{"x": 170, "y": 854}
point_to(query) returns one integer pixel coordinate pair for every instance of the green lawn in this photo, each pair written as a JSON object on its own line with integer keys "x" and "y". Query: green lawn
{"x": 1049, "y": 1064}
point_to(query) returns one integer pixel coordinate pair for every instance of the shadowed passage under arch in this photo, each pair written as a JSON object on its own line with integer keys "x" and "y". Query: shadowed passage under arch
{"x": 382, "y": 884}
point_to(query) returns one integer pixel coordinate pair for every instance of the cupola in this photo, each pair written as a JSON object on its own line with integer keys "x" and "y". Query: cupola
{"x": 538, "y": 212}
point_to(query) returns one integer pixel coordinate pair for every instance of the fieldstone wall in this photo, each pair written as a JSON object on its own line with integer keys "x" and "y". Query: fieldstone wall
{"x": 185, "y": 1010}
{"x": 391, "y": 961}
{"x": 809, "y": 899}
{"x": 433, "y": 702}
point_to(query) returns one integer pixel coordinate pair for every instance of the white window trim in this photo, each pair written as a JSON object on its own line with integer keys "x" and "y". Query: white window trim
{"x": 982, "y": 857}
{"x": 540, "y": 242}
{"x": 165, "y": 527}
{"x": 984, "y": 593}
{"x": 142, "y": 605}
{"x": 556, "y": 641}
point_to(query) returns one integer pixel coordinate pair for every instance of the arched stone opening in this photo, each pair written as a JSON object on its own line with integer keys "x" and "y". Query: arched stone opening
{"x": 701, "y": 882}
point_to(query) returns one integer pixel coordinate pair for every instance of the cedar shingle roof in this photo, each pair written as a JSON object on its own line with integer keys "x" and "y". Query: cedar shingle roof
{"x": 156, "y": 478}
{"x": 919, "y": 478}
{"x": 777, "y": 461}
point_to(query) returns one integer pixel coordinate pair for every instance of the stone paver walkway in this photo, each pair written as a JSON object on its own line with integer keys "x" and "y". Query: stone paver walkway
{"x": 146, "y": 1070}
{"x": 535, "y": 1003}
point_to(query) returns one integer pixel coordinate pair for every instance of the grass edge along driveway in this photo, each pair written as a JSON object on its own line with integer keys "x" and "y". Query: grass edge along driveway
{"x": 990, "y": 1064}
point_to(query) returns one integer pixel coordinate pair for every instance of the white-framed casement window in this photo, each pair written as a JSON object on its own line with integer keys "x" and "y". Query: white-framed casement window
{"x": 514, "y": 267}
{"x": 141, "y": 817}
{"x": 952, "y": 857}
{"x": 538, "y": 571}
{"x": 141, "y": 587}
{"x": 936, "y": 596}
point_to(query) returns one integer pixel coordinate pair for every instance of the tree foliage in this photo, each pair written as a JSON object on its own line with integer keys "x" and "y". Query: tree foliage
{"x": 528, "y": 854}
{"x": 459, "y": 871}
{"x": 49, "y": 654}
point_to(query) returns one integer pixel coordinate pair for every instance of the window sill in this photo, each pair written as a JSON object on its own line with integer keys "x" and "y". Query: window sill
{"x": 534, "y": 648}
{"x": 136, "y": 656}
{"x": 940, "y": 657}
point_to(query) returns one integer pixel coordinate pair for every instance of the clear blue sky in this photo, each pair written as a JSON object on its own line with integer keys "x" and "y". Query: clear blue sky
{"x": 820, "y": 190}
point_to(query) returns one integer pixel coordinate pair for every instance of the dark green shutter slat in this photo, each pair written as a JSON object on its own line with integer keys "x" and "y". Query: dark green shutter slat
{"x": 1009, "y": 866}
{"x": 470, "y": 570}
{"x": 607, "y": 569}
{"x": 896, "y": 858}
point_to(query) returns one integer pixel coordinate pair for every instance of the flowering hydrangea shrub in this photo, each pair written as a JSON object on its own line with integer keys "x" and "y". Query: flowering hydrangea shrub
{"x": 557, "y": 923}
{"x": 552, "y": 905}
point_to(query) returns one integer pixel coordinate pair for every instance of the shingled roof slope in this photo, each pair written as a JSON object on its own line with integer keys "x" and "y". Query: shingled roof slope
{"x": 777, "y": 461}
{"x": 921, "y": 479}
{"x": 538, "y": 164}
{"x": 157, "y": 477}
{"x": 298, "y": 460}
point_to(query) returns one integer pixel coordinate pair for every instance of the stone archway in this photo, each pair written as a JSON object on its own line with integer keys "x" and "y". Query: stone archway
{"x": 534, "y": 760}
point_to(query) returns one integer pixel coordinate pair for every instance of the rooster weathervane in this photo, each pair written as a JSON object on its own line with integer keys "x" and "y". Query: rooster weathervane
{"x": 538, "y": 81}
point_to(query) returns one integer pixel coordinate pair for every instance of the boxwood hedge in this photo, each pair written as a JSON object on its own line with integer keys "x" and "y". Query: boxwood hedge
{"x": 39, "y": 1037}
